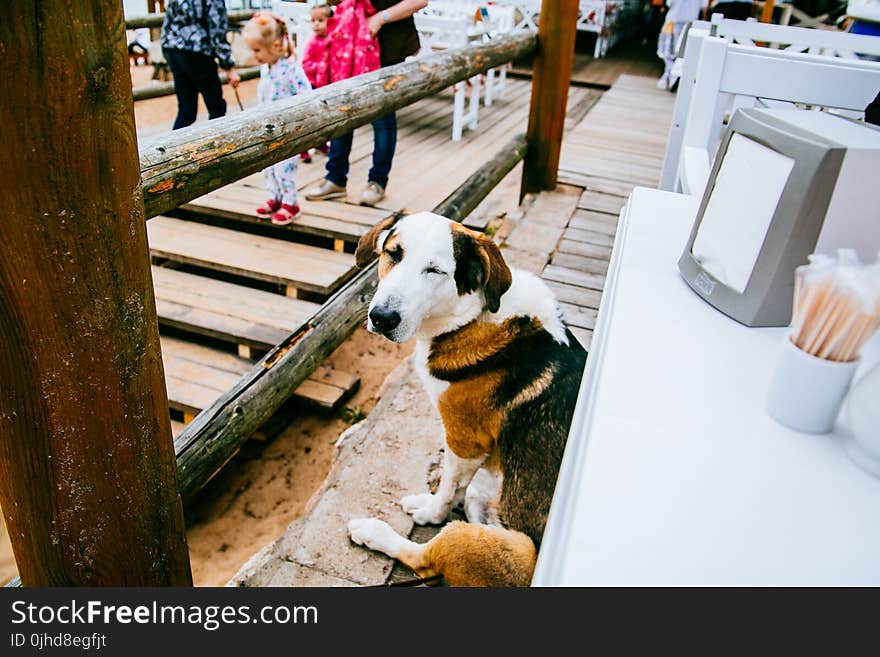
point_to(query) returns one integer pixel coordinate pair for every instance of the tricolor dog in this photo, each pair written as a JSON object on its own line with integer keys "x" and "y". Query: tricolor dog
{"x": 503, "y": 372}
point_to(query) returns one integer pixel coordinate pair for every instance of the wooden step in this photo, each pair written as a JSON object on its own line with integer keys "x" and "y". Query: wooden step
{"x": 196, "y": 376}
{"x": 241, "y": 315}
{"x": 294, "y": 266}
{"x": 343, "y": 222}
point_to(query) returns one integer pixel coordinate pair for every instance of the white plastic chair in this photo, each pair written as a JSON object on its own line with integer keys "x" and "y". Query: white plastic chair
{"x": 440, "y": 33}
{"x": 840, "y": 43}
{"x": 731, "y": 76}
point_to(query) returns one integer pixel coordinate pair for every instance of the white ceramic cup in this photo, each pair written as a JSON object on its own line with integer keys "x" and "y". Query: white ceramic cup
{"x": 806, "y": 392}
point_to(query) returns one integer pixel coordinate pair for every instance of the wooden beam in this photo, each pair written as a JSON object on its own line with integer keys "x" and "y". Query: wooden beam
{"x": 767, "y": 11}
{"x": 550, "y": 81}
{"x": 155, "y": 20}
{"x": 179, "y": 166}
{"x": 88, "y": 483}
{"x": 167, "y": 88}
{"x": 220, "y": 430}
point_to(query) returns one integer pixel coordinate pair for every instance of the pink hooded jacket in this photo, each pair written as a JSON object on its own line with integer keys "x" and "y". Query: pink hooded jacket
{"x": 347, "y": 50}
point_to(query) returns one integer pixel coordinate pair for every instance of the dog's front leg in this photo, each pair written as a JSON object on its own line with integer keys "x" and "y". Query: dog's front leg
{"x": 428, "y": 508}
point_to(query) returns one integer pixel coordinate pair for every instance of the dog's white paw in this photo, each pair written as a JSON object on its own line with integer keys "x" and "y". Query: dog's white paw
{"x": 374, "y": 534}
{"x": 424, "y": 509}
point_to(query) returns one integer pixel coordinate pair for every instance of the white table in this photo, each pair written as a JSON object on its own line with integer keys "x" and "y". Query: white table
{"x": 673, "y": 473}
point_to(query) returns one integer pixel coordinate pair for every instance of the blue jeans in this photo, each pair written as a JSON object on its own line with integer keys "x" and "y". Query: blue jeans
{"x": 384, "y": 143}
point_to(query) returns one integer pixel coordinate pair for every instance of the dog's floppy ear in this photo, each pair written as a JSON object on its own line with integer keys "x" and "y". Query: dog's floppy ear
{"x": 479, "y": 264}
{"x": 369, "y": 246}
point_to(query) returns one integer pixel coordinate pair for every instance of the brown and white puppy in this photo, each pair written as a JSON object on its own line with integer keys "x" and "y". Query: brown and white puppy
{"x": 504, "y": 372}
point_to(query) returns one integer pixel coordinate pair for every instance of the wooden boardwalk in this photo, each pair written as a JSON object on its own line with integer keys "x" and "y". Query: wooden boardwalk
{"x": 617, "y": 147}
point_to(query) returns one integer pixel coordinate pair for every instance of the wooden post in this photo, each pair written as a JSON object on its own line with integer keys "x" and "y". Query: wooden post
{"x": 88, "y": 484}
{"x": 551, "y": 76}
{"x": 767, "y": 11}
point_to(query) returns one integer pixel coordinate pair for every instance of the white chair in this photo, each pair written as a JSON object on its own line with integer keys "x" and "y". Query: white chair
{"x": 730, "y": 76}
{"x": 440, "y": 33}
{"x": 297, "y": 15}
{"x": 748, "y": 31}
{"x": 498, "y": 21}
{"x": 831, "y": 43}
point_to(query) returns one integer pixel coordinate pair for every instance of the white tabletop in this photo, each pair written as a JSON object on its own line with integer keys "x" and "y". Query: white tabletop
{"x": 673, "y": 473}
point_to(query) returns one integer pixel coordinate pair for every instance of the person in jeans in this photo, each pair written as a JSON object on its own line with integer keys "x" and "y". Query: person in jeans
{"x": 193, "y": 34}
{"x": 398, "y": 39}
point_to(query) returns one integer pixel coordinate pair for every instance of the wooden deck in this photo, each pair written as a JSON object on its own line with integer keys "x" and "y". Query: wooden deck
{"x": 428, "y": 166}
{"x": 195, "y": 375}
{"x": 617, "y": 147}
{"x": 630, "y": 58}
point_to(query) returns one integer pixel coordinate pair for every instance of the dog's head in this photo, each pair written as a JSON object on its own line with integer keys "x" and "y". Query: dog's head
{"x": 433, "y": 273}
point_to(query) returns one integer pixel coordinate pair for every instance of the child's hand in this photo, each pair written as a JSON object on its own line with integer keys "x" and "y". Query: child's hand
{"x": 234, "y": 79}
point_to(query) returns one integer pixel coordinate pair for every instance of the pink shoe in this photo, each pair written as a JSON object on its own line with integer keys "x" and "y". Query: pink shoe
{"x": 268, "y": 208}
{"x": 285, "y": 215}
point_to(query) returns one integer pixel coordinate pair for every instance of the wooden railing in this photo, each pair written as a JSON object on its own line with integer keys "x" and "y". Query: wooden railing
{"x": 155, "y": 20}
{"x": 185, "y": 164}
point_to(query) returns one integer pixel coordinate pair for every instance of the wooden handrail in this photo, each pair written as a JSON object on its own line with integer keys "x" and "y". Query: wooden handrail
{"x": 155, "y": 20}
{"x": 180, "y": 166}
{"x": 167, "y": 88}
{"x": 209, "y": 441}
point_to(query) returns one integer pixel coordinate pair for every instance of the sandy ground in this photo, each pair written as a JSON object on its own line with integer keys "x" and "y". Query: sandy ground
{"x": 267, "y": 485}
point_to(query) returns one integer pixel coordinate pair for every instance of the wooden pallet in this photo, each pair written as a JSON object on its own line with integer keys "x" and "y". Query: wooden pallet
{"x": 243, "y": 316}
{"x": 196, "y": 376}
{"x": 342, "y": 222}
{"x": 294, "y": 266}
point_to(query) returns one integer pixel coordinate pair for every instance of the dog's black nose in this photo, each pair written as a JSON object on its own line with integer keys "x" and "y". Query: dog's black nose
{"x": 384, "y": 320}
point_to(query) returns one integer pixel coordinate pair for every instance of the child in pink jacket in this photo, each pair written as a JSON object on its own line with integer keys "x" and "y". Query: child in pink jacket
{"x": 341, "y": 46}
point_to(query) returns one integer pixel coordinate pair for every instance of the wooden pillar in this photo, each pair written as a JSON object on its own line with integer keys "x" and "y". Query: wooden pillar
{"x": 551, "y": 77}
{"x": 88, "y": 481}
{"x": 767, "y": 11}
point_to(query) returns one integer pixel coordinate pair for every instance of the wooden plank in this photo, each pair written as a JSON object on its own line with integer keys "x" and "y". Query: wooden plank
{"x": 584, "y": 336}
{"x": 595, "y": 183}
{"x": 584, "y": 249}
{"x": 230, "y": 312}
{"x": 197, "y": 375}
{"x": 578, "y": 316}
{"x": 573, "y": 277}
{"x": 253, "y": 256}
{"x": 599, "y": 202}
{"x": 589, "y": 236}
{"x": 595, "y": 221}
{"x": 581, "y": 263}
{"x": 578, "y": 296}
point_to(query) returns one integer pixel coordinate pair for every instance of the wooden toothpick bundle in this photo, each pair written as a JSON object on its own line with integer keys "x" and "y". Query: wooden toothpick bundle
{"x": 836, "y": 306}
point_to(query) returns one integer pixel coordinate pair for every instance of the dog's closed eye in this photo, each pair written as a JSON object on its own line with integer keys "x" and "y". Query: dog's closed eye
{"x": 395, "y": 253}
{"x": 432, "y": 269}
